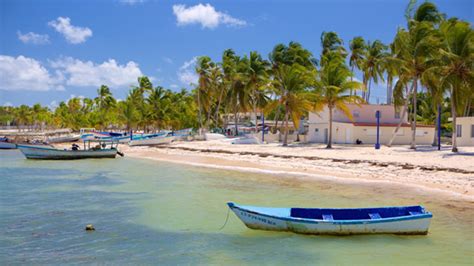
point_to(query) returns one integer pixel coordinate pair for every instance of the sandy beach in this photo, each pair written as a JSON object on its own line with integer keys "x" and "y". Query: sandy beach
{"x": 425, "y": 168}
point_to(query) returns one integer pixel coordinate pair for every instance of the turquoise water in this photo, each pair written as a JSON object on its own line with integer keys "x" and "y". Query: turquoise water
{"x": 148, "y": 212}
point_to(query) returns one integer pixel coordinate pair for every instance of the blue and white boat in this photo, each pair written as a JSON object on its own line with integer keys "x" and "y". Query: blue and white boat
{"x": 103, "y": 149}
{"x": 385, "y": 220}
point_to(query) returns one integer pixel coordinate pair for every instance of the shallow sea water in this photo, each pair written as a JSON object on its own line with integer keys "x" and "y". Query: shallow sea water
{"x": 148, "y": 212}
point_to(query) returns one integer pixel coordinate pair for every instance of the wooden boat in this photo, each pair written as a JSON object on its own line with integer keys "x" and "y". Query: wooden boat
{"x": 386, "y": 220}
{"x": 214, "y": 136}
{"x": 71, "y": 138}
{"x": 158, "y": 140}
{"x": 246, "y": 140}
{"x": 102, "y": 150}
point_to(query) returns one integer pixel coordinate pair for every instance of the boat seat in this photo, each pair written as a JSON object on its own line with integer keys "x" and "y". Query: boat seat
{"x": 327, "y": 217}
{"x": 414, "y": 213}
{"x": 375, "y": 215}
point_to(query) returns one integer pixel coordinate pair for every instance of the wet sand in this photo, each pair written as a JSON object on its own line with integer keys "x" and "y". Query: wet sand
{"x": 427, "y": 169}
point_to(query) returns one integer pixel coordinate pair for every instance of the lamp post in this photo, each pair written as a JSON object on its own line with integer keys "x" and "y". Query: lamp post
{"x": 377, "y": 144}
{"x": 439, "y": 127}
{"x": 263, "y": 128}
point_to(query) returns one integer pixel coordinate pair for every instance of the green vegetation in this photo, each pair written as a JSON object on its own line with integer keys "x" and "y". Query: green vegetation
{"x": 428, "y": 64}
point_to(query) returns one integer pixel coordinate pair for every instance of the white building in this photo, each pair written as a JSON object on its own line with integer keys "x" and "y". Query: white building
{"x": 364, "y": 126}
{"x": 465, "y": 131}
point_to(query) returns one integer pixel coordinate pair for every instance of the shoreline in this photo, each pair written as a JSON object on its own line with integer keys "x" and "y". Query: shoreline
{"x": 450, "y": 181}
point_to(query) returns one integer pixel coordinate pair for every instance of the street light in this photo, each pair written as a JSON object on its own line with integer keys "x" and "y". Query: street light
{"x": 377, "y": 144}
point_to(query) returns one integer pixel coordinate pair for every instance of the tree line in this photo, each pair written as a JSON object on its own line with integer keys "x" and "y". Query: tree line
{"x": 429, "y": 64}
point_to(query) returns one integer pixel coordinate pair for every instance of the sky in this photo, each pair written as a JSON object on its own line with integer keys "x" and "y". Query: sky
{"x": 53, "y": 50}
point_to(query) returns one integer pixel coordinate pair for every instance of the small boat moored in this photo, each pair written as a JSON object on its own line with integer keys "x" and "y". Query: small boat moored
{"x": 103, "y": 149}
{"x": 385, "y": 220}
{"x": 5, "y": 143}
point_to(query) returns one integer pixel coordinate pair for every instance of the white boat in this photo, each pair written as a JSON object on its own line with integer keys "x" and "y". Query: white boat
{"x": 214, "y": 136}
{"x": 151, "y": 141}
{"x": 7, "y": 145}
{"x": 246, "y": 140}
{"x": 49, "y": 153}
{"x": 386, "y": 220}
{"x": 71, "y": 138}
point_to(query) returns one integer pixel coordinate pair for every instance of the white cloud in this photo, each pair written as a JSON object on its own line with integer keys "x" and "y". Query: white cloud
{"x": 168, "y": 60}
{"x": 33, "y": 38}
{"x": 73, "y": 34}
{"x": 187, "y": 73}
{"x": 87, "y": 73}
{"x": 131, "y": 2}
{"x": 206, "y": 15}
{"x": 23, "y": 73}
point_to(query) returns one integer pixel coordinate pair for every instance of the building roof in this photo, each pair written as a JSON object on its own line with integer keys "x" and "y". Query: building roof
{"x": 364, "y": 124}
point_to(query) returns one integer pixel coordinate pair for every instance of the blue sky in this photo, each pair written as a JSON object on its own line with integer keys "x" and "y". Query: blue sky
{"x": 51, "y": 49}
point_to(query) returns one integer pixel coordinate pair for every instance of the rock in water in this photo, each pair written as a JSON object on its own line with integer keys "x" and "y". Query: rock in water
{"x": 90, "y": 227}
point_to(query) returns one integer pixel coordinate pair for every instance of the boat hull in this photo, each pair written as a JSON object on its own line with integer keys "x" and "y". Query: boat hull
{"x": 41, "y": 153}
{"x": 152, "y": 141}
{"x": 7, "y": 145}
{"x": 64, "y": 139}
{"x": 400, "y": 225}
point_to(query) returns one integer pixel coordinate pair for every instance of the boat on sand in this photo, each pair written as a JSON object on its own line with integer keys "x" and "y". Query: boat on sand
{"x": 158, "y": 140}
{"x": 385, "y": 220}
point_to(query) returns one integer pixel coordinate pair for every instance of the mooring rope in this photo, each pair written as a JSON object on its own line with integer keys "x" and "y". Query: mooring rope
{"x": 226, "y": 219}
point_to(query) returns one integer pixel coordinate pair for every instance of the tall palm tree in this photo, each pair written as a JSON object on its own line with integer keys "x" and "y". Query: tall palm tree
{"x": 204, "y": 88}
{"x": 334, "y": 86}
{"x": 330, "y": 41}
{"x": 456, "y": 66}
{"x": 238, "y": 95}
{"x": 358, "y": 53}
{"x": 257, "y": 81}
{"x": 373, "y": 65}
{"x": 293, "y": 83}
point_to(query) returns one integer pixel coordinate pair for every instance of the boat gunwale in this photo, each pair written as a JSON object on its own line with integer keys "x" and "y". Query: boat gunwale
{"x": 425, "y": 215}
{"x": 19, "y": 146}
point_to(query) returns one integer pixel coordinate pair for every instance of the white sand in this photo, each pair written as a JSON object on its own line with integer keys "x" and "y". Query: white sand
{"x": 217, "y": 154}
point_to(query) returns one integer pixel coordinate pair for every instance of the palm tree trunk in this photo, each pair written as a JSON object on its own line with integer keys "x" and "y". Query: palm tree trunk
{"x": 200, "y": 112}
{"x": 329, "y": 146}
{"x": 413, "y": 122}
{"x": 277, "y": 114}
{"x": 404, "y": 112}
{"x": 389, "y": 89}
{"x": 235, "y": 121}
{"x": 453, "y": 113}
{"x": 435, "y": 137}
{"x": 218, "y": 107}
{"x": 368, "y": 90}
{"x": 285, "y": 139}
{"x": 352, "y": 70}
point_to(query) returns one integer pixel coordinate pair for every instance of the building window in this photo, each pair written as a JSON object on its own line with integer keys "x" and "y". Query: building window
{"x": 472, "y": 131}
{"x": 397, "y": 115}
{"x": 355, "y": 113}
{"x": 459, "y": 131}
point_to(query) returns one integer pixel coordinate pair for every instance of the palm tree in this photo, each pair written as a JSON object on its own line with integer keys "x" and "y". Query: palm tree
{"x": 334, "y": 86}
{"x": 330, "y": 42}
{"x": 257, "y": 82}
{"x": 203, "y": 90}
{"x": 293, "y": 83}
{"x": 159, "y": 104}
{"x": 456, "y": 61}
{"x": 373, "y": 65}
{"x": 238, "y": 95}
{"x": 358, "y": 53}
